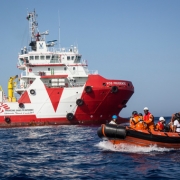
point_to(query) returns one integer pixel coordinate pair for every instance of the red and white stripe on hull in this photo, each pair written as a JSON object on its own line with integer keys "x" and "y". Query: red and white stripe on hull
{"x": 51, "y": 105}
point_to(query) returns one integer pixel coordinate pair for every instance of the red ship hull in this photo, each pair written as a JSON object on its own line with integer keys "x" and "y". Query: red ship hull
{"x": 106, "y": 98}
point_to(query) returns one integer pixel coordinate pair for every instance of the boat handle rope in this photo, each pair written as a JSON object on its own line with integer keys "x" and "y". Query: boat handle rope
{"x": 152, "y": 134}
{"x": 136, "y": 130}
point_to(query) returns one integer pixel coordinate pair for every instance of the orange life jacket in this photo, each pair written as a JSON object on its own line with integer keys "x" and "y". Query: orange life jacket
{"x": 134, "y": 120}
{"x": 149, "y": 120}
{"x": 136, "y": 124}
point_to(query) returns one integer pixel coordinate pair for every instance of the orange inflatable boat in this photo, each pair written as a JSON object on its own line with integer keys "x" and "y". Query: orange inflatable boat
{"x": 118, "y": 134}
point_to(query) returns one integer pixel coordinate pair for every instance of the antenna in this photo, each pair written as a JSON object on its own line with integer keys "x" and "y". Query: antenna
{"x": 59, "y": 30}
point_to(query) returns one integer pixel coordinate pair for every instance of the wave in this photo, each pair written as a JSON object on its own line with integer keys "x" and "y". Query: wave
{"x": 123, "y": 147}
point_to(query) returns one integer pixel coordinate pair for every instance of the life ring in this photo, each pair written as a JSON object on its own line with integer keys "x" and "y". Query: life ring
{"x": 114, "y": 89}
{"x": 88, "y": 89}
{"x": 32, "y": 91}
{"x": 79, "y": 102}
{"x": 21, "y": 105}
{"x": 70, "y": 116}
{"x": 8, "y": 120}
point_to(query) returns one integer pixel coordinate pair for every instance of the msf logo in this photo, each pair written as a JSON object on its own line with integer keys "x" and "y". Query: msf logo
{"x": 3, "y": 107}
{"x": 41, "y": 46}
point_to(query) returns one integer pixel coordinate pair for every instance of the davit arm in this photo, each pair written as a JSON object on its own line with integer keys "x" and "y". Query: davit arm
{"x": 11, "y": 85}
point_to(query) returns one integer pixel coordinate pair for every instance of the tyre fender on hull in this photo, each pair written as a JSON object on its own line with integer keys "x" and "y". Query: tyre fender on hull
{"x": 21, "y": 105}
{"x": 7, "y": 120}
{"x": 79, "y": 102}
{"x": 70, "y": 116}
{"x": 112, "y": 131}
{"x": 114, "y": 89}
{"x": 88, "y": 89}
{"x": 32, "y": 91}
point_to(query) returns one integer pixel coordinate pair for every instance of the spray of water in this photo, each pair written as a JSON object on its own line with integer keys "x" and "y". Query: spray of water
{"x": 106, "y": 145}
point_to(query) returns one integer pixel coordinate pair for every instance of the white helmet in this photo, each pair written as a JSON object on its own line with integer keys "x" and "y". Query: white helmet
{"x": 162, "y": 119}
{"x": 146, "y": 108}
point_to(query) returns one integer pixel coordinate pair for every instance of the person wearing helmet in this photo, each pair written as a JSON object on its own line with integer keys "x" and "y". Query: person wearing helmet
{"x": 148, "y": 118}
{"x": 160, "y": 126}
{"x": 174, "y": 117}
{"x": 114, "y": 120}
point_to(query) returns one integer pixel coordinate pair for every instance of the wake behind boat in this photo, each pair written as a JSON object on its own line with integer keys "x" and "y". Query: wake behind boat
{"x": 56, "y": 87}
{"x": 118, "y": 134}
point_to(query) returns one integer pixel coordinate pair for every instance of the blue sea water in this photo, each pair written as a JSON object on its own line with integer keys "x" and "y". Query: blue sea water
{"x": 76, "y": 152}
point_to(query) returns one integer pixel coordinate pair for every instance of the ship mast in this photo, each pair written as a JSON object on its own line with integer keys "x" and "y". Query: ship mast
{"x": 34, "y": 34}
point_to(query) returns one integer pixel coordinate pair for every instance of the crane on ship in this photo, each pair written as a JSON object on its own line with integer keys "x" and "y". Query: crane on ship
{"x": 11, "y": 85}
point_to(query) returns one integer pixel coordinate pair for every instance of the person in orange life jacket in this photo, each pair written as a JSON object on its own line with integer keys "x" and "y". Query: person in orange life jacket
{"x": 135, "y": 118}
{"x": 176, "y": 125}
{"x": 114, "y": 119}
{"x": 160, "y": 126}
{"x": 173, "y": 118}
{"x": 148, "y": 118}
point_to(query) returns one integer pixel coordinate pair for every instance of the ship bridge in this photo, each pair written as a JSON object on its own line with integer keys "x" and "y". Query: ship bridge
{"x": 56, "y": 67}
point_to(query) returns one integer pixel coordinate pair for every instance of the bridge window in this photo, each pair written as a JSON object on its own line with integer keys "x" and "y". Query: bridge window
{"x": 21, "y": 61}
{"x": 48, "y": 57}
{"x": 42, "y": 57}
{"x": 68, "y": 57}
{"x": 54, "y": 59}
{"x": 36, "y": 57}
{"x": 78, "y": 59}
{"x": 31, "y": 57}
